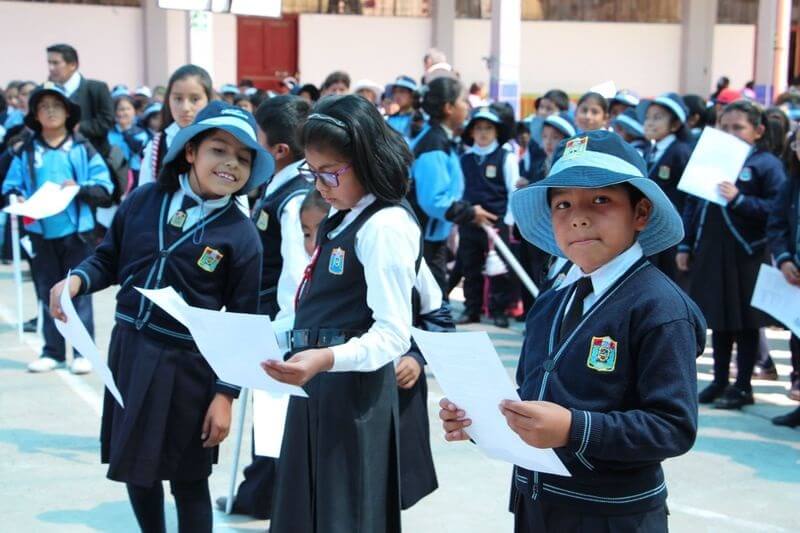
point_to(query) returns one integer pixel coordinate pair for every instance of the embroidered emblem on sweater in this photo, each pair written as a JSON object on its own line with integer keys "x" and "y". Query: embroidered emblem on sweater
{"x": 210, "y": 259}
{"x": 746, "y": 174}
{"x": 263, "y": 220}
{"x": 602, "y": 354}
{"x": 491, "y": 171}
{"x": 663, "y": 172}
{"x": 336, "y": 263}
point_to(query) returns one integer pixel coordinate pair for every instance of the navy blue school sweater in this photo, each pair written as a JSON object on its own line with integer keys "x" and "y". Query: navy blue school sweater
{"x": 668, "y": 169}
{"x": 485, "y": 180}
{"x": 628, "y": 374}
{"x": 210, "y": 267}
{"x": 759, "y": 184}
{"x": 783, "y": 224}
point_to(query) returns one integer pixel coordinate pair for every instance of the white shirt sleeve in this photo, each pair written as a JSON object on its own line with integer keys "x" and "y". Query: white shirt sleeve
{"x": 430, "y": 295}
{"x": 511, "y": 173}
{"x": 243, "y": 203}
{"x": 387, "y": 246}
{"x": 146, "y": 172}
{"x": 294, "y": 256}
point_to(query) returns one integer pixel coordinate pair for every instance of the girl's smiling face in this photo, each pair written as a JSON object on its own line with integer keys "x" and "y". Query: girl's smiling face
{"x": 220, "y": 165}
{"x": 659, "y": 123}
{"x": 590, "y": 116}
{"x": 349, "y": 191}
{"x": 125, "y": 113}
{"x": 186, "y": 99}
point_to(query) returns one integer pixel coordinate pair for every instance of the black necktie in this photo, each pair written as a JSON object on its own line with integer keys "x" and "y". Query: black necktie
{"x": 583, "y": 288}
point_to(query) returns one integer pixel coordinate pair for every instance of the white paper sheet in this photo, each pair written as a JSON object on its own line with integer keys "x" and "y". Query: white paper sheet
{"x": 75, "y": 333}
{"x": 27, "y": 245}
{"x": 50, "y": 199}
{"x": 777, "y": 297}
{"x": 471, "y": 375}
{"x": 234, "y": 344}
{"x": 269, "y": 420}
{"x": 608, "y": 89}
{"x": 717, "y": 157}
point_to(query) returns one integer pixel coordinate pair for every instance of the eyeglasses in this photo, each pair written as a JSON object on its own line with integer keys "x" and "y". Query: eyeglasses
{"x": 331, "y": 179}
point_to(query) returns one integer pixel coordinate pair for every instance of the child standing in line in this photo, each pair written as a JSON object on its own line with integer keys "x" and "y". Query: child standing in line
{"x": 723, "y": 251}
{"x": 607, "y": 373}
{"x": 402, "y": 91}
{"x": 186, "y": 232}
{"x": 628, "y": 126}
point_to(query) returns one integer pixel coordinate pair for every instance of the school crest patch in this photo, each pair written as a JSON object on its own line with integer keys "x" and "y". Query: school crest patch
{"x": 746, "y": 174}
{"x": 210, "y": 259}
{"x": 602, "y": 354}
{"x": 491, "y": 171}
{"x": 263, "y": 220}
{"x": 663, "y": 172}
{"x": 178, "y": 219}
{"x": 575, "y": 147}
{"x": 336, "y": 263}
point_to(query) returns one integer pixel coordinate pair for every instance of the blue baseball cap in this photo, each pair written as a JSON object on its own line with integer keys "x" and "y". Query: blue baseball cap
{"x": 563, "y": 123}
{"x": 629, "y": 121}
{"x": 671, "y": 101}
{"x": 592, "y": 160}
{"x": 405, "y": 82}
{"x": 237, "y": 122}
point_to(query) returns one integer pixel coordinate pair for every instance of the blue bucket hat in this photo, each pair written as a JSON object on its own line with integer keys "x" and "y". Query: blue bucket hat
{"x": 593, "y": 160}
{"x": 629, "y": 121}
{"x": 237, "y": 122}
{"x": 563, "y": 123}
{"x": 229, "y": 88}
{"x": 489, "y": 114}
{"x": 624, "y": 96}
{"x": 671, "y": 101}
{"x": 152, "y": 109}
{"x": 405, "y": 82}
{"x": 120, "y": 90}
{"x": 50, "y": 88}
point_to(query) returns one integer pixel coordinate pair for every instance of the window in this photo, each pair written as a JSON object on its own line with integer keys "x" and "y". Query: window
{"x": 664, "y": 11}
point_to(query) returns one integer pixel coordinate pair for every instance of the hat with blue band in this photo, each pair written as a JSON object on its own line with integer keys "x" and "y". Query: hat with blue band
{"x": 237, "y": 122}
{"x": 562, "y": 123}
{"x": 629, "y": 121}
{"x": 120, "y": 90}
{"x": 626, "y": 97}
{"x": 593, "y": 160}
{"x": 152, "y": 109}
{"x": 229, "y": 88}
{"x": 405, "y": 82}
{"x": 671, "y": 101}
{"x": 50, "y": 88}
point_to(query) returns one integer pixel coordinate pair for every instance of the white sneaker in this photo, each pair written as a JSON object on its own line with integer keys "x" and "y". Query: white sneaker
{"x": 80, "y": 365}
{"x": 43, "y": 364}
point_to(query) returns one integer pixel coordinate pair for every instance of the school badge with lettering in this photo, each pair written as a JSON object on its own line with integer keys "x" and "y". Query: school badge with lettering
{"x": 210, "y": 259}
{"x": 663, "y": 172}
{"x": 178, "y": 219}
{"x": 602, "y": 354}
{"x": 336, "y": 263}
{"x": 746, "y": 174}
{"x": 263, "y": 220}
{"x": 575, "y": 147}
{"x": 491, "y": 171}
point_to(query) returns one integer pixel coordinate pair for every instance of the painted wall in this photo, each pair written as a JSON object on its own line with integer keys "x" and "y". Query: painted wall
{"x": 109, "y": 40}
{"x": 734, "y": 54}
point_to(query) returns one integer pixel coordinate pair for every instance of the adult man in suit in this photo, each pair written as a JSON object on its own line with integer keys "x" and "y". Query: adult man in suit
{"x": 94, "y": 98}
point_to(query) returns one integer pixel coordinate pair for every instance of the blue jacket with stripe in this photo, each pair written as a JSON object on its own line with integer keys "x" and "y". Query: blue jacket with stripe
{"x": 783, "y": 224}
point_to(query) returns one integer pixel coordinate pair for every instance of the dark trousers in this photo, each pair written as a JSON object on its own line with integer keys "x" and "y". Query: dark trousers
{"x": 535, "y": 516}
{"x": 794, "y": 346}
{"x": 254, "y": 496}
{"x": 192, "y": 500}
{"x": 746, "y": 353}
{"x": 435, "y": 254}
{"x": 473, "y": 245}
{"x": 53, "y": 259}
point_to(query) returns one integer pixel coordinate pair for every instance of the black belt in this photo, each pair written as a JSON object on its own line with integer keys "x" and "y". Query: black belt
{"x": 303, "y": 339}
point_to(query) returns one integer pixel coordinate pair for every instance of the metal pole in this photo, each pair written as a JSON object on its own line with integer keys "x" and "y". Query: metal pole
{"x": 511, "y": 260}
{"x": 243, "y": 398}
{"x": 17, "y": 258}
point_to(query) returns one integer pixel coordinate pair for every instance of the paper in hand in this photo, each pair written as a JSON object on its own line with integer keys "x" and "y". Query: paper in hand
{"x": 50, "y": 199}
{"x": 777, "y": 297}
{"x": 608, "y": 89}
{"x": 269, "y": 421}
{"x": 75, "y": 333}
{"x": 234, "y": 344}
{"x": 471, "y": 375}
{"x": 717, "y": 157}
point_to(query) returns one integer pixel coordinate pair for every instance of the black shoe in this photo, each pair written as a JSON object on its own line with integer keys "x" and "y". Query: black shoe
{"x": 501, "y": 321}
{"x": 734, "y": 398}
{"x": 222, "y": 503}
{"x": 791, "y": 420}
{"x": 468, "y": 318}
{"x": 711, "y": 393}
{"x": 29, "y": 326}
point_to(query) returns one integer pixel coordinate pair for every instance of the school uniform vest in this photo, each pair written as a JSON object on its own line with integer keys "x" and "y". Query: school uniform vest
{"x": 627, "y": 373}
{"x": 484, "y": 181}
{"x": 267, "y": 218}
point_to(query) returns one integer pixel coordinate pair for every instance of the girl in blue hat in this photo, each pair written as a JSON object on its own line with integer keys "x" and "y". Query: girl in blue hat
{"x": 186, "y": 232}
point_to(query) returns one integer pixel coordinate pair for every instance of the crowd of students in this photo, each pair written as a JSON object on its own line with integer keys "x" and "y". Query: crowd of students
{"x": 348, "y": 218}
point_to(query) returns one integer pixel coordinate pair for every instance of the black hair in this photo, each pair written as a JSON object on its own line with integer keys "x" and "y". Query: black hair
{"x": 312, "y": 91}
{"x": 521, "y": 127}
{"x": 242, "y": 98}
{"x": 507, "y": 117}
{"x": 756, "y": 117}
{"x": 779, "y": 126}
{"x": 314, "y": 200}
{"x": 598, "y": 98}
{"x": 3, "y": 103}
{"x": 696, "y": 105}
{"x": 682, "y": 133}
{"x": 170, "y": 172}
{"x": 433, "y": 97}
{"x": 558, "y": 97}
{"x": 186, "y": 71}
{"x": 68, "y": 53}
{"x": 126, "y": 98}
{"x": 379, "y": 155}
{"x": 246, "y": 82}
{"x": 282, "y": 118}
{"x": 789, "y": 157}
{"x": 337, "y": 76}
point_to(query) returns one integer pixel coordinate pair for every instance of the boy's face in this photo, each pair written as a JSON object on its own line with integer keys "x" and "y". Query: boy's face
{"x": 310, "y": 220}
{"x": 484, "y": 133}
{"x": 59, "y": 70}
{"x": 402, "y": 97}
{"x": 550, "y": 139}
{"x": 51, "y": 113}
{"x": 593, "y": 226}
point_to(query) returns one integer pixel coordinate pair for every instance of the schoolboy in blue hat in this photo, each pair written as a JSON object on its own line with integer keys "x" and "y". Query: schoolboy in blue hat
{"x": 56, "y": 155}
{"x": 621, "y": 102}
{"x": 607, "y": 374}
{"x": 629, "y": 126}
{"x": 402, "y": 91}
{"x": 183, "y": 231}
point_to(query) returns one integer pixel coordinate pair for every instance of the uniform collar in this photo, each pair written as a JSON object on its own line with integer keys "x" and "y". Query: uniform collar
{"x": 356, "y": 210}
{"x": 605, "y": 276}
{"x": 72, "y": 84}
{"x": 283, "y": 176}
{"x": 483, "y": 151}
{"x": 171, "y": 131}
{"x": 663, "y": 144}
{"x": 208, "y": 205}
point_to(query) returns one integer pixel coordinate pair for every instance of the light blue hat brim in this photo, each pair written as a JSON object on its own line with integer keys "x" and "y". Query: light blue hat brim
{"x": 405, "y": 84}
{"x": 669, "y": 103}
{"x": 532, "y": 212}
{"x": 263, "y": 164}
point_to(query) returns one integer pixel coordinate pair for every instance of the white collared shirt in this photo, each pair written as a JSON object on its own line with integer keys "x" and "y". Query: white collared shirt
{"x": 661, "y": 147}
{"x": 193, "y": 214}
{"x": 72, "y": 84}
{"x": 510, "y": 171}
{"x": 146, "y": 172}
{"x": 387, "y": 245}
{"x": 604, "y": 277}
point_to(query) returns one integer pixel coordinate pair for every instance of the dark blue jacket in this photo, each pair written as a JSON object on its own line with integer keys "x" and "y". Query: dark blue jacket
{"x": 628, "y": 418}
{"x": 141, "y": 249}
{"x": 759, "y": 185}
{"x": 667, "y": 171}
{"x": 783, "y": 224}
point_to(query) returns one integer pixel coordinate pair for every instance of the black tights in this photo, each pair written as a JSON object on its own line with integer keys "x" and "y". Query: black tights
{"x": 192, "y": 500}
{"x": 746, "y": 353}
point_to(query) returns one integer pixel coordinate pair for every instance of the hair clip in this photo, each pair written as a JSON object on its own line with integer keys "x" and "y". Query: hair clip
{"x": 327, "y": 118}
